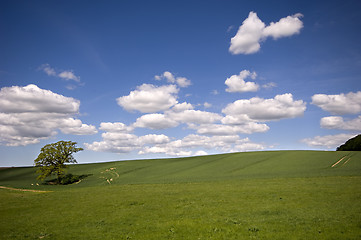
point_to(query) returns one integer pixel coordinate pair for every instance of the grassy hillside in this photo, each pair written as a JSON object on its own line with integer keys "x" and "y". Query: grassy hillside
{"x": 280, "y": 164}
{"x": 256, "y": 195}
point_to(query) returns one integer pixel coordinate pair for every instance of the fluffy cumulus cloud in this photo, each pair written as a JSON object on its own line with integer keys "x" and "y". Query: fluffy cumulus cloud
{"x": 180, "y": 107}
{"x": 328, "y": 141}
{"x": 148, "y": 98}
{"x": 155, "y": 121}
{"x": 259, "y": 109}
{"x": 154, "y": 139}
{"x": 178, "y": 114}
{"x": 237, "y": 83}
{"x": 118, "y": 138}
{"x": 340, "y": 104}
{"x": 194, "y": 116}
{"x": 285, "y": 27}
{"x": 212, "y": 130}
{"x": 183, "y": 147}
{"x": 75, "y": 127}
{"x": 115, "y": 127}
{"x": 29, "y": 114}
{"x": 182, "y": 113}
{"x": 224, "y": 130}
{"x": 337, "y": 122}
{"x": 116, "y": 142}
{"x": 247, "y": 40}
{"x": 180, "y": 81}
{"x": 33, "y": 99}
{"x": 215, "y": 131}
{"x": 253, "y": 31}
{"x": 245, "y": 144}
{"x": 195, "y": 141}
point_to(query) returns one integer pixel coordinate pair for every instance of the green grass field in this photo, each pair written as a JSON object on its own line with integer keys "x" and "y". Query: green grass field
{"x": 255, "y": 195}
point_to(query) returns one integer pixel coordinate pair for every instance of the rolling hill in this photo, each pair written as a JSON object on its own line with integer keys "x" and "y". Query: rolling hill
{"x": 253, "y": 195}
{"x": 247, "y": 165}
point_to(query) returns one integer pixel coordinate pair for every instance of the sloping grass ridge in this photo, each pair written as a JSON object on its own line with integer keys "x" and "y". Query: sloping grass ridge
{"x": 248, "y": 165}
{"x": 254, "y": 195}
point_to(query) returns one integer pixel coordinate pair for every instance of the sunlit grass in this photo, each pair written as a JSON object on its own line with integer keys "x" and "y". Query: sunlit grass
{"x": 285, "y": 195}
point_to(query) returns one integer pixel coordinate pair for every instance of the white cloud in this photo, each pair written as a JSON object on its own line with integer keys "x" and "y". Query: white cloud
{"x": 340, "y": 104}
{"x": 207, "y": 105}
{"x": 224, "y": 130}
{"x": 200, "y": 153}
{"x": 259, "y": 109}
{"x": 329, "y": 141}
{"x": 148, "y": 98}
{"x": 236, "y": 83}
{"x": 242, "y": 117}
{"x": 33, "y": 99}
{"x": 76, "y": 127}
{"x": 154, "y": 139}
{"x": 115, "y": 127}
{"x": 285, "y": 27}
{"x": 245, "y": 145}
{"x": 180, "y": 107}
{"x": 253, "y": 31}
{"x": 29, "y": 114}
{"x": 181, "y": 81}
{"x": 249, "y": 34}
{"x": 83, "y": 129}
{"x": 69, "y": 75}
{"x": 123, "y": 145}
{"x": 155, "y": 121}
{"x": 194, "y": 116}
{"x": 236, "y": 120}
{"x": 336, "y": 122}
{"x": 208, "y": 142}
{"x": 65, "y": 75}
{"x": 269, "y": 85}
{"x": 165, "y": 150}
{"x": 117, "y": 140}
{"x": 48, "y": 70}
{"x": 180, "y": 113}
{"x": 183, "y": 147}
{"x": 22, "y": 135}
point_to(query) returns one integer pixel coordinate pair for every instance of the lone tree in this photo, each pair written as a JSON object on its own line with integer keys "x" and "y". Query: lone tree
{"x": 53, "y": 158}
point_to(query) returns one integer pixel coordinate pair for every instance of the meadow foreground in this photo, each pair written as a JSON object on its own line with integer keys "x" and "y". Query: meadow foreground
{"x": 261, "y": 195}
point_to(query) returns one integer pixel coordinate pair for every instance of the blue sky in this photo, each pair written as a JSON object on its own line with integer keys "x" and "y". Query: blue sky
{"x": 150, "y": 79}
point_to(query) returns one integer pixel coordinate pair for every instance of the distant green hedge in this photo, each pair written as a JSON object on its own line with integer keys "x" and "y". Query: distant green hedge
{"x": 353, "y": 144}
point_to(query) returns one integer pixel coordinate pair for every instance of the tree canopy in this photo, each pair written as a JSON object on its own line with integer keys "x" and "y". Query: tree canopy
{"x": 53, "y": 158}
{"x": 353, "y": 144}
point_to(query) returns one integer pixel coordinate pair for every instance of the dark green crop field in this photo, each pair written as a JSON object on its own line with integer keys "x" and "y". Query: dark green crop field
{"x": 255, "y": 195}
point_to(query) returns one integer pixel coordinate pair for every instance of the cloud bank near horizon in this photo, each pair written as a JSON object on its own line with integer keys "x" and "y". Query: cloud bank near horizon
{"x": 29, "y": 114}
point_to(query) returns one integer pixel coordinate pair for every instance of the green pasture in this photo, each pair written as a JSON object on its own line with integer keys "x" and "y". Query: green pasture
{"x": 255, "y": 195}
